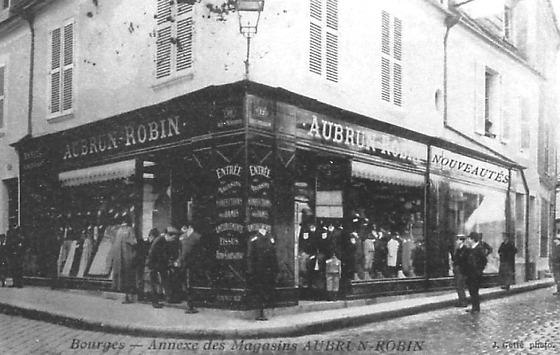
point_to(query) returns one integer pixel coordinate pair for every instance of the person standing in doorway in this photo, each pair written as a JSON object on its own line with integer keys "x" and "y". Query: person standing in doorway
{"x": 477, "y": 261}
{"x": 262, "y": 270}
{"x": 124, "y": 260}
{"x": 189, "y": 240}
{"x": 507, "y": 253}
{"x": 16, "y": 250}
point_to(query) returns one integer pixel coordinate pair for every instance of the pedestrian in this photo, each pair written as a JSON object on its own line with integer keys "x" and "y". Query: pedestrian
{"x": 158, "y": 263}
{"x": 143, "y": 276}
{"x": 3, "y": 260}
{"x": 262, "y": 270}
{"x": 555, "y": 259}
{"x": 477, "y": 261}
{"x": 124, "y": 260}
{"x": 460, "y": 260}
{"x": 15, "y": 246}
{"x": 189, "y": 240}
{"x": 507, "y": 253}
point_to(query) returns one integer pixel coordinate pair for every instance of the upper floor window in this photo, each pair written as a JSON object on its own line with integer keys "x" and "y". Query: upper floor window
{"x": 391, "y": 59}
{"x": 488, "y": 101}
{"x": 62, "y": 70}
{"x": 323, "y": 39}
{"x": 175, "y": 38}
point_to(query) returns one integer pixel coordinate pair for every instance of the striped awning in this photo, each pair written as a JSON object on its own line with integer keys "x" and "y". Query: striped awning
{"x": 387, "y": 175}
{"x": 100, "y": 173}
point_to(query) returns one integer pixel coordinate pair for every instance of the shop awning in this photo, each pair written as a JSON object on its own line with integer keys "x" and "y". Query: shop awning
{"x": 119, "y": 170}
{"x": 387, "y": 175}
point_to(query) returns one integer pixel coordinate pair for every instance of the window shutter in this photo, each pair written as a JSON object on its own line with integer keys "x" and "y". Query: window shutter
{"x": 385, "y": 79}
{"x": 183, "y": 44}
{"x": 315, "y": 49}
{"x": 163, "y": 43}
{"x": 68, "y": 61}
{"x": 479, "y": 98}
{"x": 332, "y": 41}
{"x": 316, "y": 10}
{"x": 385, "y": 33}
{"x": 397, "y": 39}
{"x": 56, "y": 44}
{"x": 397, "y": 84}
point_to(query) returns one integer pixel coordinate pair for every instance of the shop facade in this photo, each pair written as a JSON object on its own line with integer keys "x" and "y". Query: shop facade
{"x": 241, "y": 157}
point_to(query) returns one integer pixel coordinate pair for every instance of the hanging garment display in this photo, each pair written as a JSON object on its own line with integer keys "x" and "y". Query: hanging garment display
{"x": 102, "y": 261}
{"x": 70, "y": 259}
{"x": 86, "y": 256}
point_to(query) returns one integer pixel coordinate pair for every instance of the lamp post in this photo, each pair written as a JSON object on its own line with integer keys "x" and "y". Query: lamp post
{"x": 249, "y": 12}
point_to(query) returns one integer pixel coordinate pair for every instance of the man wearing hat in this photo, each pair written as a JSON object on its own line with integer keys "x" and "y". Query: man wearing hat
{"x": 477, "y": 261}
{"x": 555, "y": 258}
{"x": 460, "y": 259}
{"x": 158, "y": 262}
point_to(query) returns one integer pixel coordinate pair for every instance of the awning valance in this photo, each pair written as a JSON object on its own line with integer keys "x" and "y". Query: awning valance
{"x": 387, "y": 175}
{"x": 119, "y": 170}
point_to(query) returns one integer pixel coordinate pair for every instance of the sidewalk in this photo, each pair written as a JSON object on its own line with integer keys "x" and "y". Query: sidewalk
{"x": 104, "y": 312}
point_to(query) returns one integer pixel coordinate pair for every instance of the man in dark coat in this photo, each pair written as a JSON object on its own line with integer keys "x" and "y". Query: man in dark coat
{"x": 507, "y": 253}
{"x": 460, "y": 260}
{"x": 262, "y": 269}
{"x": 477, "y": 261}
{"x": 158, "y": 262}
{"x": 189, "y": 241}
{"x": 16, "y": 250}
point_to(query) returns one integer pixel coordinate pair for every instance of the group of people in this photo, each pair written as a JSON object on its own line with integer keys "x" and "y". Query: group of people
{"x": 155, "y": 269}
{"x": 12, "y": 250}
{"x": 469, "y": 260}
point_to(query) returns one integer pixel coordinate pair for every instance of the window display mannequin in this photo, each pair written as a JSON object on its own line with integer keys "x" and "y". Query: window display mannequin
{"x": 380, "y": 254}
{"x": 392, "y": 256}
{"x": 369, "y": 250}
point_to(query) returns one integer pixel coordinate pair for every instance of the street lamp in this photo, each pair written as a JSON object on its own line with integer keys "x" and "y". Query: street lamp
{"x": 249, "y": 12}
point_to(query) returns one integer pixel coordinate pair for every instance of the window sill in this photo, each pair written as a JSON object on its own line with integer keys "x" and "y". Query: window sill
{"x": 61, "y": 118}
{"x": 164, "y": 83}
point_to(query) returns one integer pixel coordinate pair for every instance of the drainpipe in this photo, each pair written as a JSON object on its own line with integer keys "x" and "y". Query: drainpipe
{"x": 29, "y": 16}
{"x": 527, "y": 259}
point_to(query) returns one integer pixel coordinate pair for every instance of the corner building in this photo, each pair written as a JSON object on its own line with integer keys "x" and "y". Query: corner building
{"x": 318, "y": 124}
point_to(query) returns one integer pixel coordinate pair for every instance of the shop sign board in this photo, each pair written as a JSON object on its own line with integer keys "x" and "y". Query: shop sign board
{"x": 444, "y": 162}
{"x": 332, "y": 132}
{"x": 261, "y": 113}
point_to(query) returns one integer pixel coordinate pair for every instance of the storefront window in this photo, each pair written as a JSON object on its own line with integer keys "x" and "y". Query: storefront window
{"x": 467, "y": 196}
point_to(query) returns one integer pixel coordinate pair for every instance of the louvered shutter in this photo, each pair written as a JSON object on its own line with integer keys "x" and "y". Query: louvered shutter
{"x": 479, "y": 98}
{"x": 332, "y": 40}
{"x": 385, "y": 33}
{"x": 56, "y": 44}
{"x": 316, "y": 37}
{"x": 386, "y": 79}
{"x": 397, "y": 66}
{"x": 163, "y": 43}
{"x": 183, "y": 45}
{"x": 68, "y": 67}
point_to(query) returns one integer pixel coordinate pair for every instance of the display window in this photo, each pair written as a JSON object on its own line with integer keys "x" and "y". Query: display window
{"x": 95, "y": 202}
{"x": 467, "y": 196}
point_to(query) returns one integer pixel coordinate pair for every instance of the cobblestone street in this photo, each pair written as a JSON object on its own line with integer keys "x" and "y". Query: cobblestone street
{"x": 527, "y": 323}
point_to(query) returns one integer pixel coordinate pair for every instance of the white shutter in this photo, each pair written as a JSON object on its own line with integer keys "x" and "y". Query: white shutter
{"x": 316, "y": 37}
{"x": 56, "y": 44}
{"x": 68, "y": 67}
{"x": 479, "y": 98}
{"x": 397, "y": 65}
{"x": 386, "y": 79}
{"x": 183, "y": 46}
{"x": 163, "y": 43}
{"x": 332, "y": 40}
{"x": 385, "y": 33}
